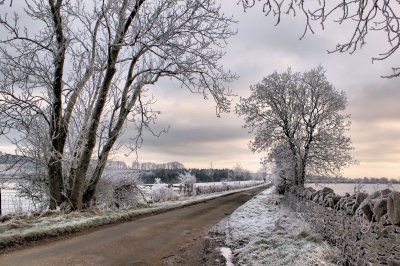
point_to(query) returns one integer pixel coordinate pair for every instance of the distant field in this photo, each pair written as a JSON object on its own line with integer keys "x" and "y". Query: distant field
{"x": 344, "y": 188}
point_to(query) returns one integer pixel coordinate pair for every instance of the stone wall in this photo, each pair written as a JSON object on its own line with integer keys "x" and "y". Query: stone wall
{"x": 366, "y": 228}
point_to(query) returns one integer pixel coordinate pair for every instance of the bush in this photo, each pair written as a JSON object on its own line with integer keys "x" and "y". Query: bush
{"x": 187, "y": 180}
{"x": 115, "y": 190}
{"x": 160, "y": 192}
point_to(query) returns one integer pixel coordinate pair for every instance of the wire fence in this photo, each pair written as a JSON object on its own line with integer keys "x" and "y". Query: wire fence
{"x": 11, "y": 202}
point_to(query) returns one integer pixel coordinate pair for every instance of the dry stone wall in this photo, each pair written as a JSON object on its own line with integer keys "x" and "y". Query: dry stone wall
{"x": 366, "y": 228}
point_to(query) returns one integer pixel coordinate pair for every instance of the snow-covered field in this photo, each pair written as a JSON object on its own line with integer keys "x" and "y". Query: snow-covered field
{"x": 264, "y": 231}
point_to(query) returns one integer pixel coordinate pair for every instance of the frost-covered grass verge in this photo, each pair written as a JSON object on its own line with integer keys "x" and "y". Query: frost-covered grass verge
{"x": 30, "y": 227}
{"x": 264, "y": 231}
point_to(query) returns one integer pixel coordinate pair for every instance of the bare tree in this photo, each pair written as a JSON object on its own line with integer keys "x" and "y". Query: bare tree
{"x": 239, "y": 173}
{"x": 362, "y": 16}
{"x": 187, "y": 181}
{"x": 210, "y": 172}
{"x": 300, "y": 115}
{"x": 75, "y": 81}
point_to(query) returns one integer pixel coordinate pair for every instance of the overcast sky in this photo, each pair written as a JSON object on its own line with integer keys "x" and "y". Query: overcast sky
{"x": 197, "y": 137}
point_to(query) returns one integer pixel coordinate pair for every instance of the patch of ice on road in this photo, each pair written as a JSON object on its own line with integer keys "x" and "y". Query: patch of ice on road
{"x": 227, "y": 253}
{"x": 265, "y": 232}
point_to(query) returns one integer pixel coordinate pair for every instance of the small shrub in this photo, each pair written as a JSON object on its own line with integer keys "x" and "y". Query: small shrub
{"x": 160, "y": 192}
{"x": 118, "y": 191}
{"x": 187, "y": 180}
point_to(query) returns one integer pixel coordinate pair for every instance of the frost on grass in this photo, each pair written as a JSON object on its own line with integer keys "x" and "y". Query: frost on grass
{"x": 265, "y": 232}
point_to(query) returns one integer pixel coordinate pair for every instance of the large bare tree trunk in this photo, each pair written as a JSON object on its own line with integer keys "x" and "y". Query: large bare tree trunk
{"x": 55, "y": 183}
{"x": 302, "y": 176}
{"x": 295, "y": 161}
{"x": 57, "y": 131}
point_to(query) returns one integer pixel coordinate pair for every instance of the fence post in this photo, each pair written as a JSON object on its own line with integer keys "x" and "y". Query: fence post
{"x": 0, "y": 202}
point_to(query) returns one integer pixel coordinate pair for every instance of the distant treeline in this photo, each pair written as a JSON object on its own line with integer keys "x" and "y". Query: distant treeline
{"x": 365, "y": 180}
{"x": 202, "y": 175}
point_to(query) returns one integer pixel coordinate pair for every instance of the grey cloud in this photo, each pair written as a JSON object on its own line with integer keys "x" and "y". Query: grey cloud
{"x": 190, "y": 137}
{"x": 196, "y": 139}
{"x": 376, "y": 101}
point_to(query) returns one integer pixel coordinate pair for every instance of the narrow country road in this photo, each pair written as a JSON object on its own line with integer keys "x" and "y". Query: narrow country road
{"x": 146, "y": 241}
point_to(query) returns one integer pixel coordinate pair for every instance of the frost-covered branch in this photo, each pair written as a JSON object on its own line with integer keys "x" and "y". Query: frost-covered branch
{"x": 362, "y": 16}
